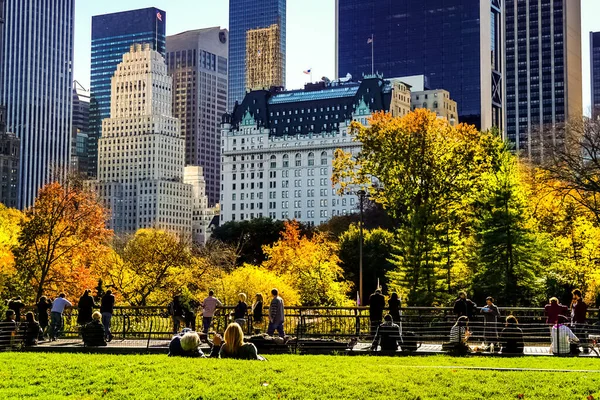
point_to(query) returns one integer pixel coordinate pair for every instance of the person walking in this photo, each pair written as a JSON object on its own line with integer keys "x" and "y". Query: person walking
{"x": 490, "y": 316}
{"x": 257, "y": 313}
{"x": 376, "y": 307}
{"x": 56, "y": 314}
{"x": 276, "y": 315}
{"x": 85, "y": 306}
{"x": 240, "y": 310}
{"x": 43, "y": 306}
{"x": 209, "y": 307}
{"x": 16, "y": 304}
{"x": 107, "y": 305}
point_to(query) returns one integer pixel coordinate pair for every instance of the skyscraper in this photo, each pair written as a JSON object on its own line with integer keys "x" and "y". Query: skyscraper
{"x": 79, "y": 140}
{"x": 245, "y": 15}
{"x": 455, "y": 43}
{"x": 141, "y": 163}
{"x": 112, "y": 36}
{"x": 37, "y": 75}
{"x": 595, "y": 70}
{"x": 264, "y": 68}
{"x": 197, "y": 62}
{"x": 543, "y": 71}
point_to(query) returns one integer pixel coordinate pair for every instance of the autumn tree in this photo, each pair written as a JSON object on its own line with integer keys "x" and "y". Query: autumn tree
{"x": 420, "y": 168}
{"x": 10, "y": 219}
{"x": 59, "y": 238}
{"x": 310, "y": 265}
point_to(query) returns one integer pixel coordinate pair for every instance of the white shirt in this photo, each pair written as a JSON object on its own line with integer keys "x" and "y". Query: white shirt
{"x": 561, "y": 338}
{"x": 59, "y": 304}
{"x": 209, "y": 306}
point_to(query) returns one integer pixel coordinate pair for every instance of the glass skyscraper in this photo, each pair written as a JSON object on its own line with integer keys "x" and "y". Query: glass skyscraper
{"x": 243, "y": 16}
{"x": 543, "y": 71}
{"x": 595, "y": 70}
{"x": 37, "y": 74}
{"x": 455, "y": 43}
{"x": 112, "y": 36}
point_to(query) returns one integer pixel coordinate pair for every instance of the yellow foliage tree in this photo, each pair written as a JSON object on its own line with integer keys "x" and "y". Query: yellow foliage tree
{"x": 9, "y": 232}
{"x": 309, "y": 265}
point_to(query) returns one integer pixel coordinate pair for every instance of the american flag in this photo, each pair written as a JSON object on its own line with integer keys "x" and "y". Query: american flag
{"x": 370, "y": 40}
{"x": 159, "y": 16}
{"x": 307, "y": 72}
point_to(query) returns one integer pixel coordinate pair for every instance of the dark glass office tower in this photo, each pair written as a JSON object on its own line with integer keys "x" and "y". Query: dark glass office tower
{"x": 112, "y": 36}
{"x": 455, "y": 43}
{"x": 595, "y": 70}
{"x": 543, "y": 71}
{"x": 37, "y": 75}
{"x": 243, "y": 16}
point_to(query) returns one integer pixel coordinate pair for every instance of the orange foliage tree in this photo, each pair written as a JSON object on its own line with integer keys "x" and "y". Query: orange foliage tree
{"x": 61, "y": 238}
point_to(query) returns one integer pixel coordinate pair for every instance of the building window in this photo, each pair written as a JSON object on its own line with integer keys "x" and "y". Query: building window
{"x": 286, "y": 161}
{"x": 273, "y": 162}
{"x": 298, "y": 160}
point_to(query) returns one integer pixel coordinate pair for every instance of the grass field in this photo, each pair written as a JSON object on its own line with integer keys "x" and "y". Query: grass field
{"x": 80, "y": 376}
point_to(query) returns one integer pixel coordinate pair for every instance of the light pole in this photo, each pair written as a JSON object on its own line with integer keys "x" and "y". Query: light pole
{"x": 361, "y": 197}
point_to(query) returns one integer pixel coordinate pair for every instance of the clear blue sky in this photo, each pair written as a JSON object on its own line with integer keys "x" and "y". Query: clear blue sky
{"x": 310, "y": 32}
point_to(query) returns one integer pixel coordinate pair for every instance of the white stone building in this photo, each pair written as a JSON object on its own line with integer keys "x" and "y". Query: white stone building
{"x": 278, "y": 150}
{"x": 141, "y": 151}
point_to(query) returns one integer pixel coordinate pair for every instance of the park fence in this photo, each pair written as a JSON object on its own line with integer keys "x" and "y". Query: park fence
{"x": 428, "y": 324}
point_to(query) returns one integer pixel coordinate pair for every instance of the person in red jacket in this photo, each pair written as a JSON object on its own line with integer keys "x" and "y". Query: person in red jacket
{"x": 579, "y": 317}
{"x": 553, "y": 310}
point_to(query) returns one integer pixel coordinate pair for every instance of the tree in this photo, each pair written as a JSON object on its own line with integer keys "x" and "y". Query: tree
{"x": 60, "y": 237}
{"x": 309, "y": 265}
{"x": 249, "y": 236}
{"x": 377, "y": 252}
{"x": 509, "y": 250}
{"x": 420, "y": 168}
{"x": 150, "y": 267}
{"x": 10, "y": 219}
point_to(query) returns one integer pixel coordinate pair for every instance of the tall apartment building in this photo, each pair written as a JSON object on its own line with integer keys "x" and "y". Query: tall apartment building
{"x": 595, "y": 71}
{"x": 264, "y": 67}
{"x": 245, "y": 15}
{"x": 79, "y": 138}
{"x": 202, "y": 214}
{"x": 141, "y": 160}
{"x": 37, "y": 75}
{"x": 112, "y": 36}
{"x": 197, "y": 62}
{"x": 543, "y": 71}
{"x": 278, "y": 149}
{"x": 457, "y": 44}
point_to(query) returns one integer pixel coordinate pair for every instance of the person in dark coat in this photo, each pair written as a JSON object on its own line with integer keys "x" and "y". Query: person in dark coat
{"x": 579, "y": 317}
{"x": 376, "y": 307}
{"x": 189, "y": 313}
{"x": 43, "y": 306}
{"x": 107, "y": 305}
{"x": 257, "y": 313}
{"x": 8, "y": 330}
{"x": 176, "y": 311}
{"x": 93, "y": 332}
{"x": 187, "y": 344}
{"x": 387, "y": 335}
{"x": 490, "y": 316}
{"x": 553, "y": 310}
{"x": 511, "y": 337}
{"x": 31, "y": 330}
{"x": 464, "y": 306}
{"x": 240, "y": 310}
{"x": 86, "y": 308}
{"x": 16, "y": 304}
{"x": 394, "y": 307}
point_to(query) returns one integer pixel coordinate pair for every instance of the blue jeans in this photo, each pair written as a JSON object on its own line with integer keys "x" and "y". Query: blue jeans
{"x": 206, "y": 322}
{"x": 56, "y": 323}
{"x": 276, "y": 327}
{"x": 106, "y": 317}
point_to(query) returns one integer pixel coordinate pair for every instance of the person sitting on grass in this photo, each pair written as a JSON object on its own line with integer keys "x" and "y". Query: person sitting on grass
{"x": 8, "y": 330}
{"x": 233, "y": 346}
{"x": 387, "y": 335}
{"x": 564, "y": 340}
{"x": 31, "y": 330}
{"x": 93, "y": 333}
{"x": 459, "y": 335}
{"x": 511, "y": 337}
{"x": 186, "y": 344}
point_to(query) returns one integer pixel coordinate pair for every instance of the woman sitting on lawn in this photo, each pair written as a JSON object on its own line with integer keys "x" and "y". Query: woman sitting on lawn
{"x": 31, "y": 330}
{"x": 233, "y": 345}
{"x": 459, "y": 335}
{"x": 93, "y": 333}
{"x": 512, "y": 337}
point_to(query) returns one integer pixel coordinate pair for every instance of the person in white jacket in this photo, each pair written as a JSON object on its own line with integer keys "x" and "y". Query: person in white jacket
{"x": 56, "y": 314}
{"x": 209, "y": 306}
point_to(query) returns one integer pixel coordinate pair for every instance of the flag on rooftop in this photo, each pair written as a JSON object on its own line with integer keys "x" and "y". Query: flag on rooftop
{"x": 370, "y": 40}
{"x": 307, "y": 72}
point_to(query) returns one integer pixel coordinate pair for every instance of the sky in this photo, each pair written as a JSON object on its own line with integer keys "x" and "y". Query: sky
{"x": 310, "y": 32}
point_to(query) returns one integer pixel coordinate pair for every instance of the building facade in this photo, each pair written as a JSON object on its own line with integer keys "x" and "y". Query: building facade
{"x": 112, "y": 36}
{"x": 10, "y": 146}
{"x": 79, "y": 138}
{"x": 141, "y": 158}
{"x": 245, "y": 15}
{"x": 278, "y": 149}
{"x": 400, "y": 105}
{"x": 264, "y": 67}
{"x": 37, "y": 89}
{"x": 437, "y": 101}
{"x": 202, "y": 214}
{"x": 543, "y": 71}
{"x": 595, "y": 71}
{"x": 197, "y": 62}
{"x": 456, "y": 44}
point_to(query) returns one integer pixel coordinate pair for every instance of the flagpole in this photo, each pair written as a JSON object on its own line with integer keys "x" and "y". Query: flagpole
{"x": 372, "y": 54}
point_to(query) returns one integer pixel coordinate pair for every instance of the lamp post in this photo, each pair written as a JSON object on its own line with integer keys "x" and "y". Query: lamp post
{"x": 361, "y": 196}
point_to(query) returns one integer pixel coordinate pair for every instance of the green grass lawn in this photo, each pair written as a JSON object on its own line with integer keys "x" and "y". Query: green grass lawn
{"x": 80, "y": 376}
